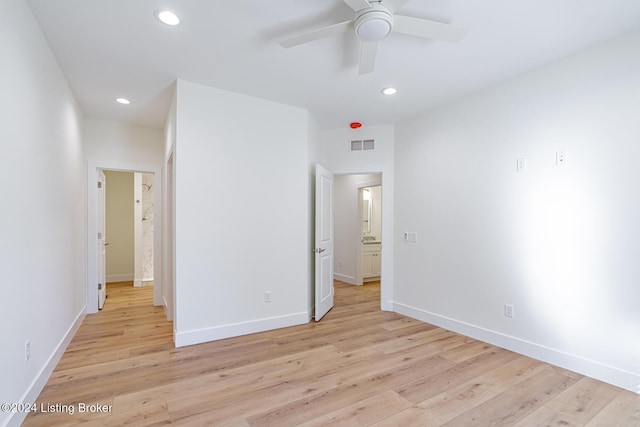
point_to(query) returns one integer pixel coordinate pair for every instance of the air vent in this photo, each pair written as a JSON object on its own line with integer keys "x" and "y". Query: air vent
{"x": 362, "y": 145}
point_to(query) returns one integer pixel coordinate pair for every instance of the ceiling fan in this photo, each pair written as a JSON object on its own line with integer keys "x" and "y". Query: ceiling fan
{"x": 375, "y": 20}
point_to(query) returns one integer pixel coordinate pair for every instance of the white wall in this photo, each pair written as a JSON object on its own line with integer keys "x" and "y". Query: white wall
{"x": 241, "y": 215}
{"x": 42, "y": 212}
{"x": 122, "y": 147}
{"x": 123, "y": 144}
{"x": 336, "y": 155}
{"x": 348, "y": 226}
{"x": 559, "y": 243}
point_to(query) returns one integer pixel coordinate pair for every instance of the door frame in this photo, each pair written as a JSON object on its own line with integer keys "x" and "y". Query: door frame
{"x": 92, "y": 227}
{"x": 361, "y": 186}
{"x": 101, "y": 253}
{"x": 386, "y": 273}
{"x": 168, "y": 249}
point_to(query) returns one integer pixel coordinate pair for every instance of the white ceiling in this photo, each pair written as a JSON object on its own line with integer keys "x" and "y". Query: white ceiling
{"x": 112, "y": 48}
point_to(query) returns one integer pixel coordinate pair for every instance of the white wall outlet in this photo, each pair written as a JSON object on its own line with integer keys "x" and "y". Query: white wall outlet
{"x": 267, "y": 296}
{"x": 561, "y": 158}
{"x": 508, "y": 310}
{"x": 521, "y": 165}
{"x": 27, "y": 351}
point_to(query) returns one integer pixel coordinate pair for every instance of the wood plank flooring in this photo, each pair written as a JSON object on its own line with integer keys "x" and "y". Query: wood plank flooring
{"x": 359, "y": 366}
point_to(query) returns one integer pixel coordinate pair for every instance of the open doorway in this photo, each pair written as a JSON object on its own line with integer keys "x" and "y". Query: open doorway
{"x": 353, "y": 234}
{"x": 358, "y": 228}
{"x": 129, "y": 218}
{"x": 370, "y": 199}
{"x": 96, "y": 265}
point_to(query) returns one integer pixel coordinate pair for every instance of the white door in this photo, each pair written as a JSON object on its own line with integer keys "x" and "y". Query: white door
{"x": 102, "y": 240}
{"x": 324, "y": 242}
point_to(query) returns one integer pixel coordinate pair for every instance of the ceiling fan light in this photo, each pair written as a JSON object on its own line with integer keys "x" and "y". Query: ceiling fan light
{"x": 374, "y": 30}
{"x": 374, "y": 26}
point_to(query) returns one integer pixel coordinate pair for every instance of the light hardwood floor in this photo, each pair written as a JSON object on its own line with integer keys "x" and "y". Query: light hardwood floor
{"x": 359, "y": 366}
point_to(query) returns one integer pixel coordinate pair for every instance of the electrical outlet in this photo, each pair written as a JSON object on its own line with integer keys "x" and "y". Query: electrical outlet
{"x": 27, "y": 351}
{"x": 521, "y": 165}
{"x": 267, "y": 296}
{"x": 561, "y": 158}
{"x": 508, "y": 310}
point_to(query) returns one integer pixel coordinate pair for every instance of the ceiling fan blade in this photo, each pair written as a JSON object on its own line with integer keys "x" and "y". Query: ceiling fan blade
{"x": 394, "y": 5}
{"x": 368, "y": 52}
{"x": 428, "y": 29}
{"x": 358, "y": 5}
{"x": 331, "y": 30}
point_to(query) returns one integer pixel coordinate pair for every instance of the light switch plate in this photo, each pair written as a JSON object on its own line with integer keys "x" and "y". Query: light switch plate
{"x": 411, "y": 237}
{"x": 521, "y": 164}
{"x": 508, "y": 310}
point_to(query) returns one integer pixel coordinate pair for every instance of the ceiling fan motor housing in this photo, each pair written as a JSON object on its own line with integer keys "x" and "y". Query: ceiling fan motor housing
{"x": 374, "y": 23}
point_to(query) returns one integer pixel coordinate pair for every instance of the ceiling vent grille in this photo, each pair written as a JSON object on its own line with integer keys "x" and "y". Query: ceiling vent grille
{"x": 362, "y": 145}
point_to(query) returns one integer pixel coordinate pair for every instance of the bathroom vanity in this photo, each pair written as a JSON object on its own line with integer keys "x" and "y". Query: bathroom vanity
{"x": 371, "y": 260}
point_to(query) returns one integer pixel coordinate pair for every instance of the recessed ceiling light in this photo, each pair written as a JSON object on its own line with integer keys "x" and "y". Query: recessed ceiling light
{"x": 168, "y": 17}
{"x": 124, "y": 101}
{"x": 389, "y": 91}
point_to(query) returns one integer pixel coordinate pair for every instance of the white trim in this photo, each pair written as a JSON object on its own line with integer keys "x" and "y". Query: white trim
{"x": 236, "y": 329}
{"x": 609, "y": 374}
{"x": 344, "y": 278}
{"x": 92, "y": 167}
{"x": 38, "y": 383}
{"x": 119, "y": 278}
{"x": 168, "y": 238}
{"x": 386, "y": 273}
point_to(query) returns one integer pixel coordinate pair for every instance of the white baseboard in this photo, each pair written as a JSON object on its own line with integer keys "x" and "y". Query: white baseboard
{"x": 137, "y": 283}
{"x": 609, "y": 374}
{"x": 120, "y": 278}
{"x": 36, "y": 386}
{"x": 343, "y": 278}
{"x": 236, "y": 329}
